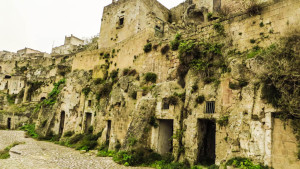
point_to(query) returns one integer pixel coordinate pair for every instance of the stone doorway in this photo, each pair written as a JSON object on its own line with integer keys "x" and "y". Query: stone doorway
{"x": 62, "y": 122}
{"x": 9, "y": 123}
{"x": 206, "y": 141}
{"x": 165, "y": 140}
{"x": 88, "y": 121}
{"x": 108, "y": 131}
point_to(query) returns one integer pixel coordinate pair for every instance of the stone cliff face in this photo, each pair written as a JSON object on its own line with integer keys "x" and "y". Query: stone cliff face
{"x": 203, "y": 101}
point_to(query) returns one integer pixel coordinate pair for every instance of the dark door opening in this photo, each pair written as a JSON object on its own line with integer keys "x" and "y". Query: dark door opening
{"x": 62, "y": 122}
{"x": 108, "y": 131}
{"x": 165, "y": 140}
{"x": 88, "y": 121}
{"x": 206, "y": 141}
{"x": 8, "y": 123}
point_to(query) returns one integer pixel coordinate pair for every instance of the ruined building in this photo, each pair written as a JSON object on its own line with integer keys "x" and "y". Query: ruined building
{"x": 134, "y": 83}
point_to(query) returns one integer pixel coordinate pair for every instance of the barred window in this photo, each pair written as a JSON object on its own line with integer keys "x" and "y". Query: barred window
{"x": 210, "y": 107}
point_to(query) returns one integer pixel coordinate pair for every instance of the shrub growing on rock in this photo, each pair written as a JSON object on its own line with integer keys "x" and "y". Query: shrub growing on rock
{"x": 148, "y": 47}
{"x": 150, "y": 77}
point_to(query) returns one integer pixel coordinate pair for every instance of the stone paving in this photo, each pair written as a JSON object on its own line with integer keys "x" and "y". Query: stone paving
{"x": 44, "y": 155}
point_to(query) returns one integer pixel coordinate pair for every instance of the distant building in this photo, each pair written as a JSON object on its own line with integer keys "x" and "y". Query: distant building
{"x": 27, "y": 51}
{"x": 70, "y": 44}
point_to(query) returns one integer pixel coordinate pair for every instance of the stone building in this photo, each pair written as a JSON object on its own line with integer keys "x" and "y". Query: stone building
{"x": 125, "y": 18}
{"x": 71, "y": 43}
{"x": 211, "y": 119}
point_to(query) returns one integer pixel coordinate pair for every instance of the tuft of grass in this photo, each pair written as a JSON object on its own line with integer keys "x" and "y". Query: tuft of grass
{"x": 30, "y": 130}
{"x": 86, "y": 91}
{"x": 200, "y": 99}
{"x": 69, "y": 134}
{"x": 4, "y": 154}
{"x": 148, "y": 47}
{"x": 176, "y": 42}
{"x": 240, "y": 162}
{"x": 223, "y": 121}
{"x": 252, "y": 41}
{"x": 219, "y": 28}
{"x": 165, "y": 49}
{"x": 254, "y": 9}
{"x": 150, "y": 77}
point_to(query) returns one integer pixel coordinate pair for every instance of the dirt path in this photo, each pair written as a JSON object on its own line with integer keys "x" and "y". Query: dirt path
{"x": 43, "y": 155}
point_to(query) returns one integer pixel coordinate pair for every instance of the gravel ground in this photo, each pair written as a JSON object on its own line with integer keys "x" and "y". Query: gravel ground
{"x": 43, "y": 155}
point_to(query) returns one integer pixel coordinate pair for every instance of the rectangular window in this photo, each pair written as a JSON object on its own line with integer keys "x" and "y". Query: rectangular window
{"x": 121, "y": 21}
{"x": 90, "y": 103}
{"x": 165, "y": 103}
{"x": 210, "y": 107}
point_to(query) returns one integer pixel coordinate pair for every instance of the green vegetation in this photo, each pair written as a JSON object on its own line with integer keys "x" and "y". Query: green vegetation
{"x": 244, "y": 163}
{"x": 254, "y": 8}
{"x": 261, "y": 24}
{"x": 173, "y": 100}
{"x": 148, "y": 47}
{"x": 69, "y": 134}
{"x": 133, "y": 95}
{"x": 219, "y": 28}
{"x": 30, "y": 130}
{"x": 4, "y": 154}
{"x": 150, "y": 77}
{"x": 86, "y": 91}
{"x": 176, "y": 42}
{"x": 209, "y": 16}
{"x": 202, "y": 57}
{"x": 252, "y": 40}
{"x": 104, "y": 91}
{"x": 99, "y": 81}
{"x": 114, "y": 74}
{"x": 223, "y": 121}
{"x": 200, "y": 99}
{"x": 33, "y": 86}
{"x": 153, "y": 122}
{"x": 254, "y": 52}
{"x": 194, "y": 88}
{"x": 52, "y": 96}
{"x": 180, "y": 95}
{"x": 165, "y": 49}
{"x": 129, "y": 72}
{"x": 239, "y": 85}
{"x": 11, "y": 98}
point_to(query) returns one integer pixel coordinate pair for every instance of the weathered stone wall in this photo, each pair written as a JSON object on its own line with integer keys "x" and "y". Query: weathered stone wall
{"x": 137, "y": 16}
{"x": 284, "y": 146}
{"x": 250, "y": 131}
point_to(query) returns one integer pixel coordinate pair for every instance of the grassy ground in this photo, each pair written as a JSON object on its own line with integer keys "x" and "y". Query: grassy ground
{"x": 4, "y": 154}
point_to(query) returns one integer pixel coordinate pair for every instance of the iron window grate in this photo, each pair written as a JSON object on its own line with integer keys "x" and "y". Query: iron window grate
{"x": 210, "y": 107}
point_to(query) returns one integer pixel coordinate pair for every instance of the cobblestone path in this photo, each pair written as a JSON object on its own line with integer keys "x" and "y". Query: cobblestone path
{"x": 43, "y": 155}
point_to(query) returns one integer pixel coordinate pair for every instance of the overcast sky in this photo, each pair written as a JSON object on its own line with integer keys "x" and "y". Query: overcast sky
{"x": 41, "y": 24}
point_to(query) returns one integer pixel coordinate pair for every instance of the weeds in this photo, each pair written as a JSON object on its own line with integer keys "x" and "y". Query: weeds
{"x": 150, "y": 77}
{"x": 4, "y": 154}
{"x": 148, "y": 47}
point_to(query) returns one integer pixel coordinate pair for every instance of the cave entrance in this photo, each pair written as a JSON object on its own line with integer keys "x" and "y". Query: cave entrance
{"x": 108, "y": 132}
{"x": 9, "y": 123}
{"x": 165, "y": 140}
{"x": 206, "y": 141}
{"x": 88, "y": 121}
{"x": 62, "y": 122}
